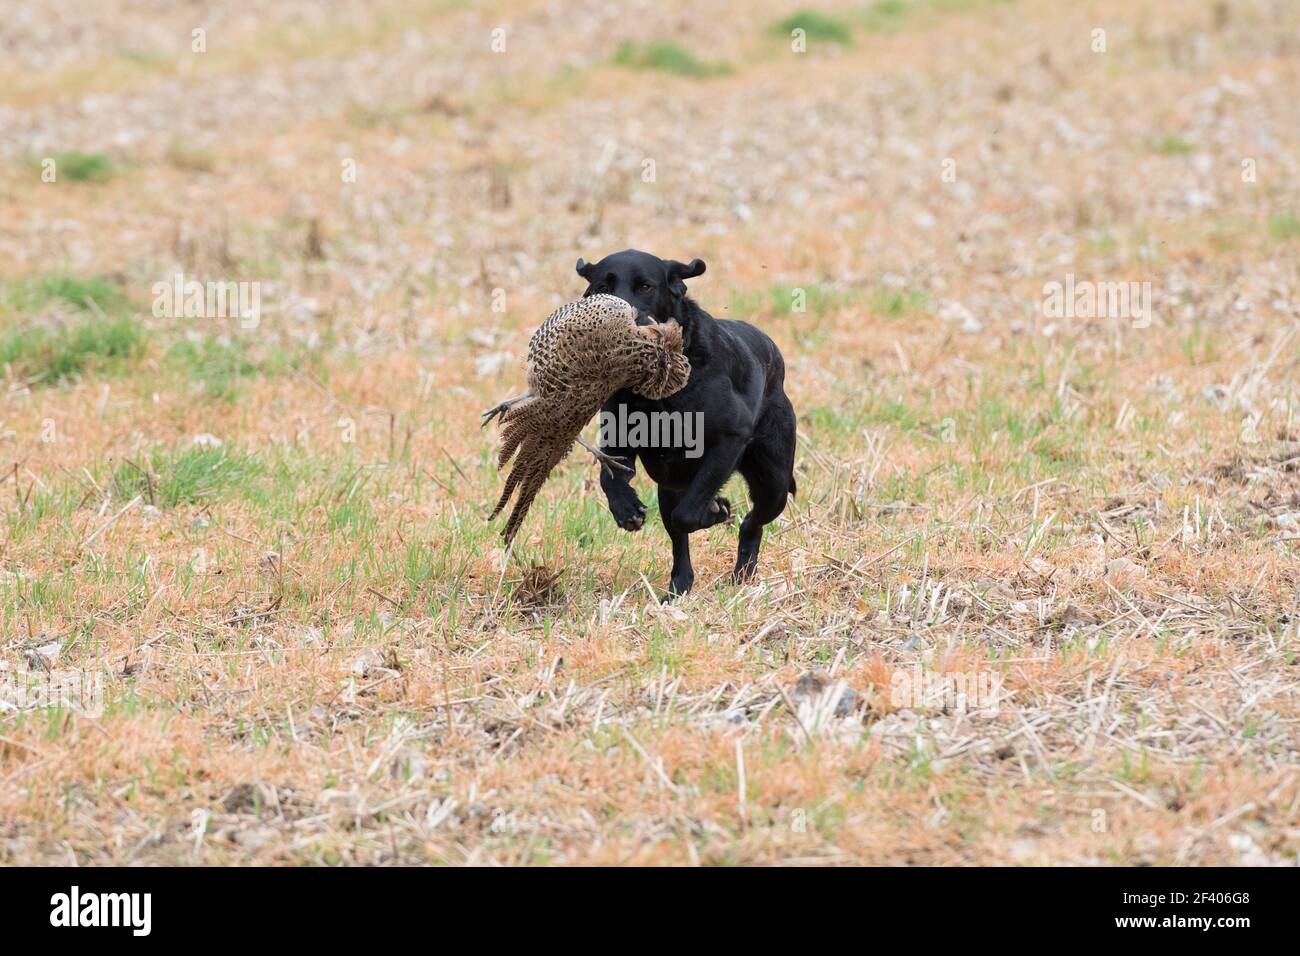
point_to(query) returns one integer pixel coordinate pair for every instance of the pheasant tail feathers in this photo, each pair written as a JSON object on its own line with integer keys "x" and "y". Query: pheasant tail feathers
{"x": 538, "y": 455}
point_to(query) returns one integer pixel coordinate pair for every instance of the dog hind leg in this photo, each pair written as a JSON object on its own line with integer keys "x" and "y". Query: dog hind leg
{"x": 768, "y": 469}
{"x": 683, "y": 575}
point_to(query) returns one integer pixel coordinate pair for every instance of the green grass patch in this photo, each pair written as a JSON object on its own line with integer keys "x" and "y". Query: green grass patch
{"x": 1284, "y": 226}
{"x": 79, "y": 167}
{"x": 171, "y": 478}
{"x": 95, "y": 293}
{"x": 221, "y": 367}
{"x": 667, "y": 57}
{"x": 886, "y": 16}
{"x": 218, "y": 366}
{"x": 532, "y": 92}
{"x": 890, "y": 16}
{"x": 818, "y": 27}
{"x": 1171, "y": 144}
{"x": 782, "y": 299}
{"x": 50, "y": 356}
{"x": 54, "y": 352}
{"x": 896, "y": 303}
{"x": 844, "y": 422}
{"x": 349, "y": 505}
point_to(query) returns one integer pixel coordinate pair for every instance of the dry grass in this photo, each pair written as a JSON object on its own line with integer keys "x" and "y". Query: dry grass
{"x": 313, "y": 650}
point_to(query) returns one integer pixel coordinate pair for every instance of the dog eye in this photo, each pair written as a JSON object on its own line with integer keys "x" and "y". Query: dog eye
{"x": 643, "y": 287}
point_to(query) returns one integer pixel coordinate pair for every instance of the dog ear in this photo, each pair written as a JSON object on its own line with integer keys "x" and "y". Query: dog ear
{"x": 689, "y": 271}
{"x": 584, "y": 269}
{"x": 677, "y": 272}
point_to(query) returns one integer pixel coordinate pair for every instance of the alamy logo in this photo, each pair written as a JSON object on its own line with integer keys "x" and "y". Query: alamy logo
{"x": 951, "y": 691}
{"x": 103, "y": 909}
{"x": 37, "y": 688}
{"x": 631, "y": 429}
{"x": 1085, "y": 299}
{"x": 208, "y": 300}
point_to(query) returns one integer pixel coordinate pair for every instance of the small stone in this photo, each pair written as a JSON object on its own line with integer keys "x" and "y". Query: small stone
{"x": 813, "y": 684}
{"x": 1125, "y": 567}
{"x": 45, "y": 656}
{"x": 1040, "y": 567}
{"x": 951, "y": 310}
{"x": 339, "y": 801}
{"x": 849, "y": 701}
{"x": 244, "y": 798}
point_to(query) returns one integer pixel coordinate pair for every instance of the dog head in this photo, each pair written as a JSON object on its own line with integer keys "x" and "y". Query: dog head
{"x": 655, "y": 287}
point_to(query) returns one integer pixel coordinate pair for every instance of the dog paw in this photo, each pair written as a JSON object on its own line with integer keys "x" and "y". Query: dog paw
{"x": 689, "y": 520}
{"x": 719, "y": 511}
{"x": 744, "y": 572}
{"x": 629, "y": 513}
{"x": 677, "y": 586}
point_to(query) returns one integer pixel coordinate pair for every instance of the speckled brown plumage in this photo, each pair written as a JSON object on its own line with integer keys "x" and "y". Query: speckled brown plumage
{"x": 585, "y": 352}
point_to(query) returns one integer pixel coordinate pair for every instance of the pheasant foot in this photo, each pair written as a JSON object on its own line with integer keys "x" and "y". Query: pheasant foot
{"x": 502, "y": 408}
{"x": 607, "y": 462}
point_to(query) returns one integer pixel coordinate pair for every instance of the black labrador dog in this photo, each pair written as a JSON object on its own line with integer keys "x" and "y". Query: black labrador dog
{"x": 736, "y": 384}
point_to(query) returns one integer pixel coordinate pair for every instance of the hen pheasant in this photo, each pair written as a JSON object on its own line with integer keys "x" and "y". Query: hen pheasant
{"x": 585, "y": 352}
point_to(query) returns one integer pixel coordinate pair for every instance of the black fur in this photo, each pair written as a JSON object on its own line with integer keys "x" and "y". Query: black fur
{"x": 737, "y": 381}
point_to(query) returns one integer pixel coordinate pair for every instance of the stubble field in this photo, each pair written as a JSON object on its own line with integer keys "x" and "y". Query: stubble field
{"x": 265, "y": 543}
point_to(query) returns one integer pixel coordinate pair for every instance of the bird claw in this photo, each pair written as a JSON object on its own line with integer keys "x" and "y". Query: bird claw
{"x": 608, "y": 463}
{"x": 499, "y": 409}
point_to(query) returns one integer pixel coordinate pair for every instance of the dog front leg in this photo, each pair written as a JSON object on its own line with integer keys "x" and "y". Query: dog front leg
{"x": 624, "y": 505}
{"x": 701, "y": 506}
